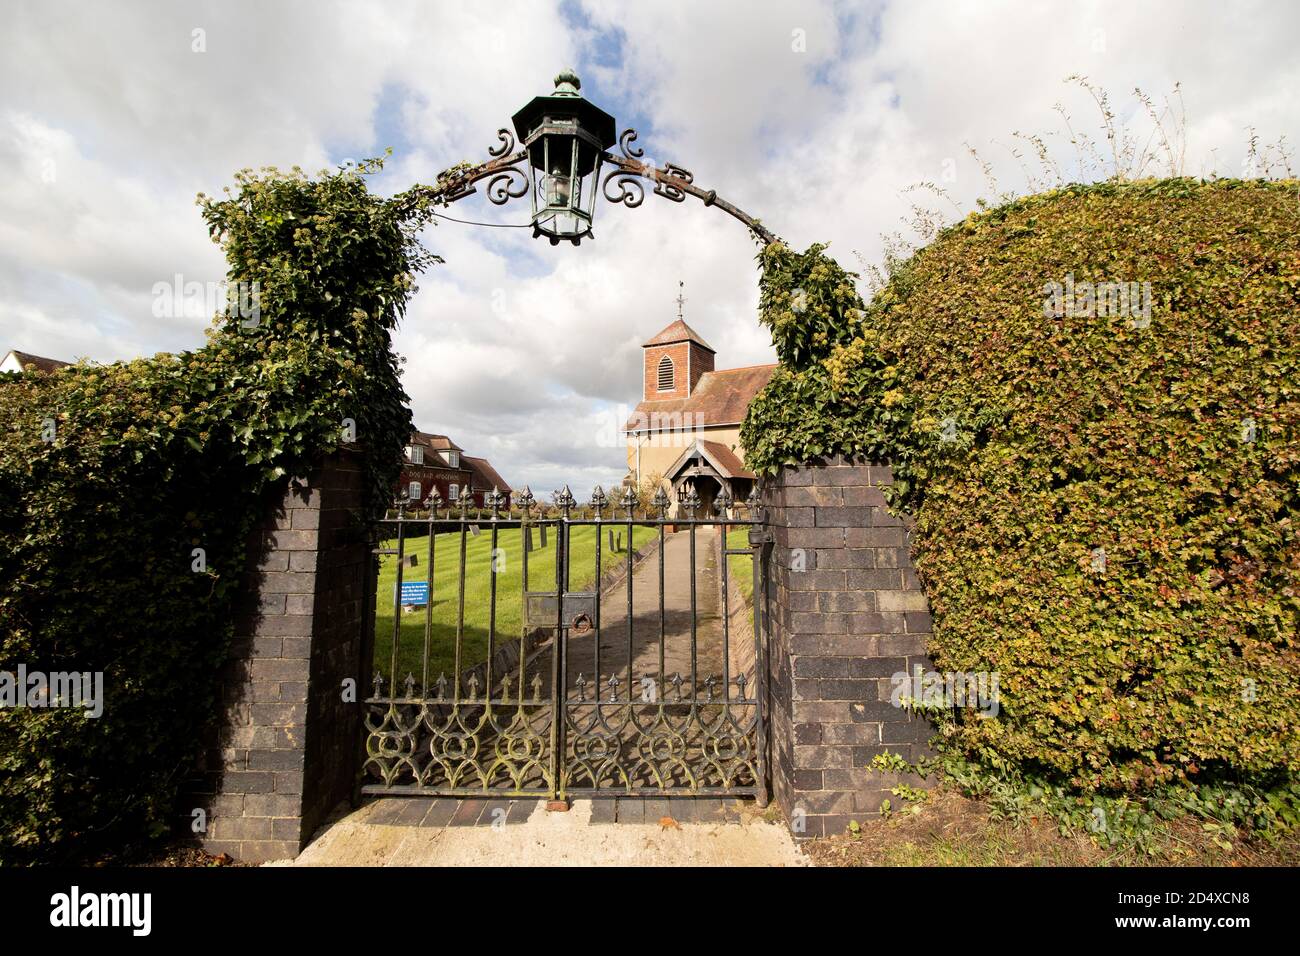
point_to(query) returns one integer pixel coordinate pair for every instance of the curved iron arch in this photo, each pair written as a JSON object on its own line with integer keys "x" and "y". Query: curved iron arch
{"x": 628, "y": 172}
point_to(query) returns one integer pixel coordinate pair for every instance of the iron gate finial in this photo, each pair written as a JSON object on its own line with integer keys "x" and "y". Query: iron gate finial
{"x": 661, "y": 501}
{"x": 629, "y": 501}
{"x": 723, "y": 502}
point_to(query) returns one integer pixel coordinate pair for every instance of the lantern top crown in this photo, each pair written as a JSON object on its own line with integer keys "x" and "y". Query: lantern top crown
{"x": 567, "y": 83}
{"x": 566, "y": 103}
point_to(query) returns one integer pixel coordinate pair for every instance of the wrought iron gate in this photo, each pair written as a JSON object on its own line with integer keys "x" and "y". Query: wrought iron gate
{"x": 592, "y": 690}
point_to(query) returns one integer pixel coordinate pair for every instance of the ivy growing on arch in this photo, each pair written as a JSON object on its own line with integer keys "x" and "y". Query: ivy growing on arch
{"x": 153, "y": 458}
{"x": 1027, "y": 439}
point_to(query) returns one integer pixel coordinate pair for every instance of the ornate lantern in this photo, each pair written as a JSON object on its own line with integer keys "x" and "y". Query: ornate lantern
{"x": 564, "y": 136}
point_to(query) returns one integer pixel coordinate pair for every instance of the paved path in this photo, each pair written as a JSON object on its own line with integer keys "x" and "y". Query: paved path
{"x": 416, "y": 832}
{"x": 643, "y": 643}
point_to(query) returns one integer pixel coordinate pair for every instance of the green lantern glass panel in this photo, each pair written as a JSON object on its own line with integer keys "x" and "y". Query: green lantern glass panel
{"x": 565, "y": 136}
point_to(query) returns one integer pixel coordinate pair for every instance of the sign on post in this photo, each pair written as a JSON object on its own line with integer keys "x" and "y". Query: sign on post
{"x": 415, "y": 593}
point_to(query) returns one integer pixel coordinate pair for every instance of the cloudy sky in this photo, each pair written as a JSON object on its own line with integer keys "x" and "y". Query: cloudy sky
{"x": 815, "y": 117}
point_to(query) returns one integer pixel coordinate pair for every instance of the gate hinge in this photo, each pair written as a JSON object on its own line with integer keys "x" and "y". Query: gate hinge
{"x": 761, "y": 536}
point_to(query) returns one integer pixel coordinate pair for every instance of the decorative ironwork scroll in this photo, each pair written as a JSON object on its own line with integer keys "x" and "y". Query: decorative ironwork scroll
{"x": 624, "y": 183}
{"x": 671, "y": 181}
{"x": 510, "y": 183}
{"x": 507, "y": 146}
{"x": 630, "y": 191}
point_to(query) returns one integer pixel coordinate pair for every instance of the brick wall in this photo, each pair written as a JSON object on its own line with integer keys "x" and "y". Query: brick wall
{"x": 846, "y": 613}
{"x": 690, "y": 361}
{"x": 284, "y": 752}
{"x": 700, "y": 361}
{"x": 678, "y": 352}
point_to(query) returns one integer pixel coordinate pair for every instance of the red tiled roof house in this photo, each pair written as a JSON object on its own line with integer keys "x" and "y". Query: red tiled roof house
{"x": 435, "y": 461}
{"x": 17, "y": 361}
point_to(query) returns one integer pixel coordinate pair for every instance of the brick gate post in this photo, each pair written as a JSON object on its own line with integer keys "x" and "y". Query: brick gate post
{"x": 284, "y": 751}
{"x": 846, "y": 614}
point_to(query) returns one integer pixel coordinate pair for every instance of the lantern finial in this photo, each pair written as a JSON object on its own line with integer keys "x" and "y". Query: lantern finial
{"x": 567, "y": 83}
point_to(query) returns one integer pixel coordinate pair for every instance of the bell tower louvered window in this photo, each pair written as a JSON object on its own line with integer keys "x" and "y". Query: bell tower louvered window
{"x": 667, "y": 378}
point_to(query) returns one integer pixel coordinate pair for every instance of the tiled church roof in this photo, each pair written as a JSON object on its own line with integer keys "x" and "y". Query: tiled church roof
{"x": 719, "y": 398}
{"x": 679, "y": 331}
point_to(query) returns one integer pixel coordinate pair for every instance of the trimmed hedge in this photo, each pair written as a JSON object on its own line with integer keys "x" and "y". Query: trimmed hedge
{"x": 156, "y": 457}
{"x": 1106, "y": 508}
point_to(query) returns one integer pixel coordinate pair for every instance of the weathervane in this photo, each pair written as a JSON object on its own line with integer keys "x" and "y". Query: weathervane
{"x": 681, "y": 299}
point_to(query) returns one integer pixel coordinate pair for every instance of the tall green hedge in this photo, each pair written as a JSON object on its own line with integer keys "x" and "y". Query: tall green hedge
{"x": 1106, "y": 507}
{"x": 156, "y": 457}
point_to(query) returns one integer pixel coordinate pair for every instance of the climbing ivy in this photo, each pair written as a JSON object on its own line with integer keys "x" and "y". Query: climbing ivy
{"x": 1106, "y": 505}
{"x": 128, "y": 492}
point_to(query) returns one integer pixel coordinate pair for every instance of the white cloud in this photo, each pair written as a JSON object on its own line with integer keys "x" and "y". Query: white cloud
{"x": 814, "y": 116}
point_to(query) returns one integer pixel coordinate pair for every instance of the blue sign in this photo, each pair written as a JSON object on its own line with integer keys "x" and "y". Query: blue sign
{"x": 415, "y": 592}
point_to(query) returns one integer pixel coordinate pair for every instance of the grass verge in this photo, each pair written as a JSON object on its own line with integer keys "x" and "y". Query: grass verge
{"x": 949, "y": 829}
{"x": 444, "y": 591}
{"x": 740, "y": 567}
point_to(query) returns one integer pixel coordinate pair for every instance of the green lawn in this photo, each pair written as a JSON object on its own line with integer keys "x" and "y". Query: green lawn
{"x": 740, "y": 567}
{"x": 478, "y": 552}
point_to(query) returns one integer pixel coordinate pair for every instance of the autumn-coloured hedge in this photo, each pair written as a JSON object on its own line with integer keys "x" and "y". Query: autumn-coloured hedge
{"x": 1106, "y": 505}
{"x": 112, "y": 475}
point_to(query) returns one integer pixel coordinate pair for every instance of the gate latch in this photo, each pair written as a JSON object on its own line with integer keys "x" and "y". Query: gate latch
{"x": 579, "y": 609}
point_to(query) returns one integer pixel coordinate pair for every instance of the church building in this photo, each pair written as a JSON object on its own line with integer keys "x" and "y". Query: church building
{"x": 685, "y": 432}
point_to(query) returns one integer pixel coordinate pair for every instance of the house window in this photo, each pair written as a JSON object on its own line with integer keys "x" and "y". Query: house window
{"x": 416, "y": 454}
{"x": 666, "y": 376}
{"x": 413, "y": 491}
{"x": 453, "y": 459}
{"x": 453, "y": 492}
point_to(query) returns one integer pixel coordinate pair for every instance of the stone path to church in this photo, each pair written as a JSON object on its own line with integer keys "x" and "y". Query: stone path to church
{"x": 644, "y": 640}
